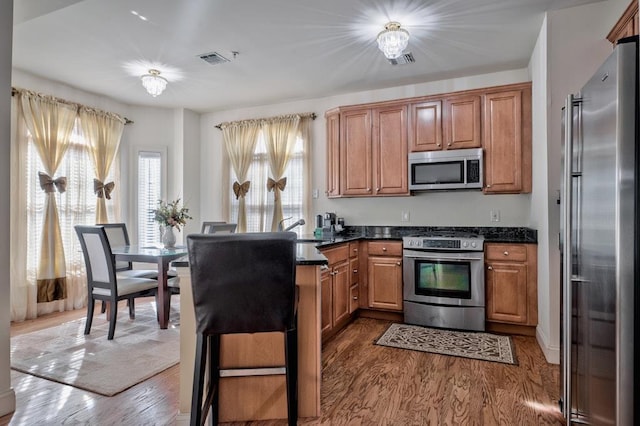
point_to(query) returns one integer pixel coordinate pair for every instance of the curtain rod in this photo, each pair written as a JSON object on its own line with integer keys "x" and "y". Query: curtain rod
{"x": 311, "y": 115}
{"x": 15, "y": 91}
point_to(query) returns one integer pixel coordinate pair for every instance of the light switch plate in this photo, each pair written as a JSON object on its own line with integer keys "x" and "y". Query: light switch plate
{"x": 495, "y": 215}
{"x": 316, "y": 193}
{"x": 405, "y": 217}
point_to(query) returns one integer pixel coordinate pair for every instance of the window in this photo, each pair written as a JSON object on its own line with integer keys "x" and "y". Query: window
{"x": 259, "y": 201}
{"x": 76, "y": 206}
{"x": 150, "y": 167}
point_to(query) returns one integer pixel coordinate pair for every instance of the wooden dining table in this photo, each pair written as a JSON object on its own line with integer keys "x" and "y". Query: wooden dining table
{"x": 160, "y": 256}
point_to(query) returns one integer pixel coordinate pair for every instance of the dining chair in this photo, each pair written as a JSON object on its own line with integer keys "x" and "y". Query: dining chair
{"x": 242, "y": 283}
{"x": 118, "y": 236}
{"x": 207, "y": 224}
{"x": 219, "y": 228}
{"x": 103, "y": 282}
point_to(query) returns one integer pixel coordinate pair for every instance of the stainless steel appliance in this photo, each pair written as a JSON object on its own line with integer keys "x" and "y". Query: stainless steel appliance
{"x": 449, "y": 169}
{"x": 443, "y": 278}
{"x": 600, "y": 245}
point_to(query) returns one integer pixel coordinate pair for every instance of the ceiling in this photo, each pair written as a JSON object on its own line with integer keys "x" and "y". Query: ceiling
{"x": 287, "y": 49}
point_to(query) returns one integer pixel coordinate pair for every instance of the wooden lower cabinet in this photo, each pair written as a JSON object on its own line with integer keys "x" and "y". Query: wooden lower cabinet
{"x": 511, "y": 283}
{"x": 337, "y": 289}
{"x": 384, "y": 275}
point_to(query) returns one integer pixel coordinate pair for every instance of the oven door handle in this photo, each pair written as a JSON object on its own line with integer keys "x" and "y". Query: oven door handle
{"x": 444, "y": 257}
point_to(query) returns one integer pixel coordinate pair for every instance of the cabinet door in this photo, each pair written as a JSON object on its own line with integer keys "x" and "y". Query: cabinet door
{"x": 333, "y": 154}
{"x": 425, "y": 126}
{"x": 326, "y": 301}
{"x": 503, "y": 166}
{"x": 341, "y": 292}
{"x": 355, "y": 152}
{"x": 506, "y": 287}
{"x": 389, "y": 145}
{"x": 462, "y": 122}
{"x": 385, "y": 283}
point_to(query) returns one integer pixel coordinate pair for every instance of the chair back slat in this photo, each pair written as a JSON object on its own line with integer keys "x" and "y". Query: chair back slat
{"x": 243, "y": 283}
{"x": 98, "y": 258}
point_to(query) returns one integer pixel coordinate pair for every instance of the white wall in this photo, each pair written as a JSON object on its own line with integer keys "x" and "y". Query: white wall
{"x": 7, "y": 395}
{"x": 460, "y": 208}
{"x": 571, "y": 46}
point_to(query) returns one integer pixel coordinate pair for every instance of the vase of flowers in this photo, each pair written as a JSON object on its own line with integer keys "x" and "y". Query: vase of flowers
{"x": 170, "y": 215}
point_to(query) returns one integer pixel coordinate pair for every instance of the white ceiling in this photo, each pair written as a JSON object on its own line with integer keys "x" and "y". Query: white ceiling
{"x": 287, "y": 49}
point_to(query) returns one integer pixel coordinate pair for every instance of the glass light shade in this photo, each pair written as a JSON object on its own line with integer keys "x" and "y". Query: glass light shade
{"x": 393, "y": 40}
{"x": 154, "y": 84}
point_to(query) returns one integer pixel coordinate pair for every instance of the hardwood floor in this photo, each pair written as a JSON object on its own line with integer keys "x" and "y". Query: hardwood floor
{"x": 363, "y": 384}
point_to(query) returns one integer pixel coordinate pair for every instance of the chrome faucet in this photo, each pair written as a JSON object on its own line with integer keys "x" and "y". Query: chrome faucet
{"x": 290, "y": 227}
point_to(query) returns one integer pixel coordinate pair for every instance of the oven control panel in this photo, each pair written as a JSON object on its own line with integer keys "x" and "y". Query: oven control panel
{"x": 443, "y": 243}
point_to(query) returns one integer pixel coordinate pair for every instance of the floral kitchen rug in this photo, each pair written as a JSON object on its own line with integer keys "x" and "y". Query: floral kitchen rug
{"x": 476, "y": 345}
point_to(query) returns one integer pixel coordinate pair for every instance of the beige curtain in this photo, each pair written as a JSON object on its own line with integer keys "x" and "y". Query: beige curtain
{"x": 50, "y": 123}
{"x": 103, "y": 131}
{"x": 305, "y": 135}
{"x": 280, "y": 138}
{"x": 240, "y": 142}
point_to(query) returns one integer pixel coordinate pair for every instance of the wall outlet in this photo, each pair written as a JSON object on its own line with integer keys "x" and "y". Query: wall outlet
{"x": 316, "y": 193}
{"x": 495, "y": 215}
{"x": 405, "y": 217}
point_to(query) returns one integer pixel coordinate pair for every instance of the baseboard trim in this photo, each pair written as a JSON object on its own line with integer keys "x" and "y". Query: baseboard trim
{"x": 183, "y": 419}
{"x": 7, "y": 402}
{"x": 551, "y": 353}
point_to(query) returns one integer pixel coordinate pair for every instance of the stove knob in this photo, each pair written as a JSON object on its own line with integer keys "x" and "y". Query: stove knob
{"x": 465, "y": 244}
{"x": 473, "y": 245}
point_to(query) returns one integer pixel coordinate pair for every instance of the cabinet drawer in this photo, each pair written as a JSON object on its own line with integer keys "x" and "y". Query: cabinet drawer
{"x": 355, "y": 295}
{"x": 354, "y": 270}
{"x": 336, "y": 254}
{"x": 354, "y": 249}
{"x": 385, "y": 248}
{"x": 516, "y": 252}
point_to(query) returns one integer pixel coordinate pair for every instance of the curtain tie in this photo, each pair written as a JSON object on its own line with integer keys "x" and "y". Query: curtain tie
{"x": 272, "y": 185}
{"x": 241, "y": 190}
{"x": 47, "y": 184}
{"x": 103, "y": 190}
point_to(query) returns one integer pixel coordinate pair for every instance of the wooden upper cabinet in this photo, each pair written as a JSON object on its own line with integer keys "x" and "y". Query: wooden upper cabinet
{"x": 425, "y": 126}
{"x": 627, "y": 25}
{"x": 355, "y": 152}
{"x": 333, "y": 153}
{"x": 389, "y": 146}
{"x": 507, "y": 140}
{"x": 461, "y": 119}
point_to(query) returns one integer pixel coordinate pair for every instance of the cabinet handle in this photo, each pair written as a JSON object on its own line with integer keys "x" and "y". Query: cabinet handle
{"x": 488, "y": 186}
{"x": 506, "y": 253}
{"x": 378, "y": 189}
{"x": 355, "y": 297}
{"x": 438, "y": 144}
{"x": 355, "y": 250}
{"x": 449, "y": 144}
{"x": 399, "y": 263}
{"x": 384, "y": 249}
{"x": 490, "y": 268}
{"x": 355, "y": 271}
{"x": 368, "y": 189}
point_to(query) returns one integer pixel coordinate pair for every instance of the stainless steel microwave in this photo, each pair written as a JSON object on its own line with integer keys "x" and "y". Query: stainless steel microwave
{"x": 451, "y": 169}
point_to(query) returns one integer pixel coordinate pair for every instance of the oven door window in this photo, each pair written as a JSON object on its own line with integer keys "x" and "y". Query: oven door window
{"x": 443, "y": 278}
{"x": 434, "y": 173}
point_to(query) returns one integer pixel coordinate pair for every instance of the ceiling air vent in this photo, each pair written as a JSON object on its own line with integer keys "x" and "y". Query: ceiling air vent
{"x": 213, "y": 58}
{"x": 406, "y": 58}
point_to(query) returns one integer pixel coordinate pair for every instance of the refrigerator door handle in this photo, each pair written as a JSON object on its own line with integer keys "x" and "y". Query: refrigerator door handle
{"x": 567, "y": 256}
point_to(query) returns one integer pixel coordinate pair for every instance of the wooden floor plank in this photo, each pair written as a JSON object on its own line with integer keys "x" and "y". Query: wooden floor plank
{"x": 363, "y": 384}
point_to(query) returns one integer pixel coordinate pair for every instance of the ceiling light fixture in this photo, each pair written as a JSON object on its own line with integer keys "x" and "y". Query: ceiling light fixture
{"x": 154, "y": 84}
{"x": 393, "y": 40}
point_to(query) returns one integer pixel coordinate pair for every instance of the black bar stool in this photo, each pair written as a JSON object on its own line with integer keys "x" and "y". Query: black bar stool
{"x": 242, "y": 283}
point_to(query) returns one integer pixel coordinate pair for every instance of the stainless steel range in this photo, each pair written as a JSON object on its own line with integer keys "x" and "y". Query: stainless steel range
{"x": 443, "y": 279}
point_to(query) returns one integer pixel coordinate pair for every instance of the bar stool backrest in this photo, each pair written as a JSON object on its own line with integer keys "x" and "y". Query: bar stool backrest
{"x": 243, "y": 283}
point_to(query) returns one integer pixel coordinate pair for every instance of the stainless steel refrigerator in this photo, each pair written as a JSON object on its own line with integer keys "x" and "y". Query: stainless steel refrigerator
{"x": 600, "y": 245}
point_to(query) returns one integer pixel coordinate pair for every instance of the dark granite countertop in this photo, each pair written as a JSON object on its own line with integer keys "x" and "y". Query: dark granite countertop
{"x": 490, "y": 234}
{"x": 306, "y": 254}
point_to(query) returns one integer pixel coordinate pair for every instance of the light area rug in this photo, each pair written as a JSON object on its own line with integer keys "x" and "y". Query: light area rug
{"x": 139, "y": 350}
{"x": 476, "y": 345}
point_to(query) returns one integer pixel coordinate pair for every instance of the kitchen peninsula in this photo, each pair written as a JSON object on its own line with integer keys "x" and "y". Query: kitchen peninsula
{"x": 260, "y": 397}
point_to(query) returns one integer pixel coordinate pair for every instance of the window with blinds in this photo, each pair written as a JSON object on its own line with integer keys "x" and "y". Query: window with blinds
{"x": 149, "y": 192}
{"x": 259, "y": 201}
